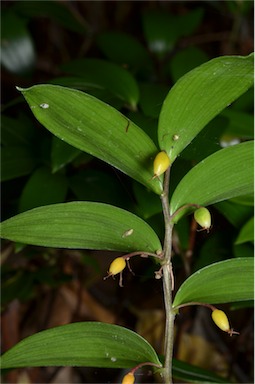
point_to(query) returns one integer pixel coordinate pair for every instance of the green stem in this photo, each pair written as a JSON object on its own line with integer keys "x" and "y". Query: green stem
{"x": 168, "y": 282}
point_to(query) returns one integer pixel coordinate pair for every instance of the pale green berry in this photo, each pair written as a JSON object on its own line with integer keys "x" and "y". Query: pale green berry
{"x": 203, "y": 217}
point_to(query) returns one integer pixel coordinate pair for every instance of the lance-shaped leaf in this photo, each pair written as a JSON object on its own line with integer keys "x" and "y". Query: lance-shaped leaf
{"x": 223, "y": 282}
{"x": 224, "y": 174}
{"x": 199, "y": 96}
{"x": 89, "y": 344}
{"x": 83, "y": 225}
{"x": 95, "y": 127}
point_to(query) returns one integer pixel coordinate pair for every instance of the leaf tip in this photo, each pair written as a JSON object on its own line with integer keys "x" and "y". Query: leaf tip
{"x": 20, "y": 89}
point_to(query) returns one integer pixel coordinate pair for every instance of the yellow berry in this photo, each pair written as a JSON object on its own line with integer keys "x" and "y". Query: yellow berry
{"x": 203, "y": 217}
{"x": 117, "y": 266}
{"x": 129, "y": 378}
{"x": 160, "y": 164}
{"x": 221, "y": 320}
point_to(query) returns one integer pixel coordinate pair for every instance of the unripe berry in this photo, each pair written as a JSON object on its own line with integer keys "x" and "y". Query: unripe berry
{"x": 160, "y": 164}
{"x": 129, "y": 378}
{"x": 203, "y": 217}
{"x": 117, "y": 266}
{"x": 221, "y": 320}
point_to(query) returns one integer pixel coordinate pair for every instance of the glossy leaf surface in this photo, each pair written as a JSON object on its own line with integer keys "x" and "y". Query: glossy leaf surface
{"x": 225, "y": 174}
{"x": 89, "y": 344}
{"x": 83, "y": 225}
{"x": 94, "y": 127}
{"x": 199, "y": 96}
{"x": 223, "y": 282}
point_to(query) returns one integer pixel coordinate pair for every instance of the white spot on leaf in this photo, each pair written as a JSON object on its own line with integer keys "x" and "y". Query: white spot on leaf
{"x": 44, "y": 105}
{"x": 127, "y": 233}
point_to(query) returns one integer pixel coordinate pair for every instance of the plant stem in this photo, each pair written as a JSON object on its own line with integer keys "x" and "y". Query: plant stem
{"x": 168, "y": 282}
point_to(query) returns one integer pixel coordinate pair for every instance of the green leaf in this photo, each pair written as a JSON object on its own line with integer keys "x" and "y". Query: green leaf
{"x": 148, "y": 203}
{"x": 94, "y": 127}
{"x": 84, "y": 225}
{"x": 216, "y": 247}
{"x": 199, "y": 96}
{"x": 62, "y": 154}
{"x": 123, "y": 49}
{"x": 243, "y": 250}
{"x": 223, "y": 282}
{"x": 206, "y": 142}
{"x": 152, "y": 97}
{"x": 89, "y": 344}
{"x": 162, "y": 29}
{"x": 148, "y": 124}
{"x": 225, "y": 174}
{"x": 240, "y": 124}
{"x": 192, "y": 374}
{"x": 246, "y": 233}
{"x": 247, "y": 200}
{"x": 185, "y": 60}
{"x": 236, "y": 214}
{"x": 16, "y": 162}
{"x": 85, "y": 85}
{"x": 17, "y": 132}
{"x": 106, "y": 75}
{"x": 98, "y": 186}
{"x": 43, "y": 188}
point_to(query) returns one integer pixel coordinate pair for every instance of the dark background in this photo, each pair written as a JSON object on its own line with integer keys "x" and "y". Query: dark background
{"x": 41, "y": 287}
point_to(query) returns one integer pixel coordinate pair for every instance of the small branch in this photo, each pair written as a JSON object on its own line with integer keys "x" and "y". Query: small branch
{"x": 212, "y": 307}
{"x": 143, "y": 254}
{"x": 168, "y": 282}
{"x": 183, "y": 207}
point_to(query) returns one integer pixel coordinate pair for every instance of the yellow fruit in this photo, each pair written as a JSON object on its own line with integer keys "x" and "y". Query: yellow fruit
{"x": 160, "y": 164}
{"x": 221, "y": 320}
{"x": 117, "y": 266}
{"x": 129, "y": 378}
{"x": 203, "y": 217}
